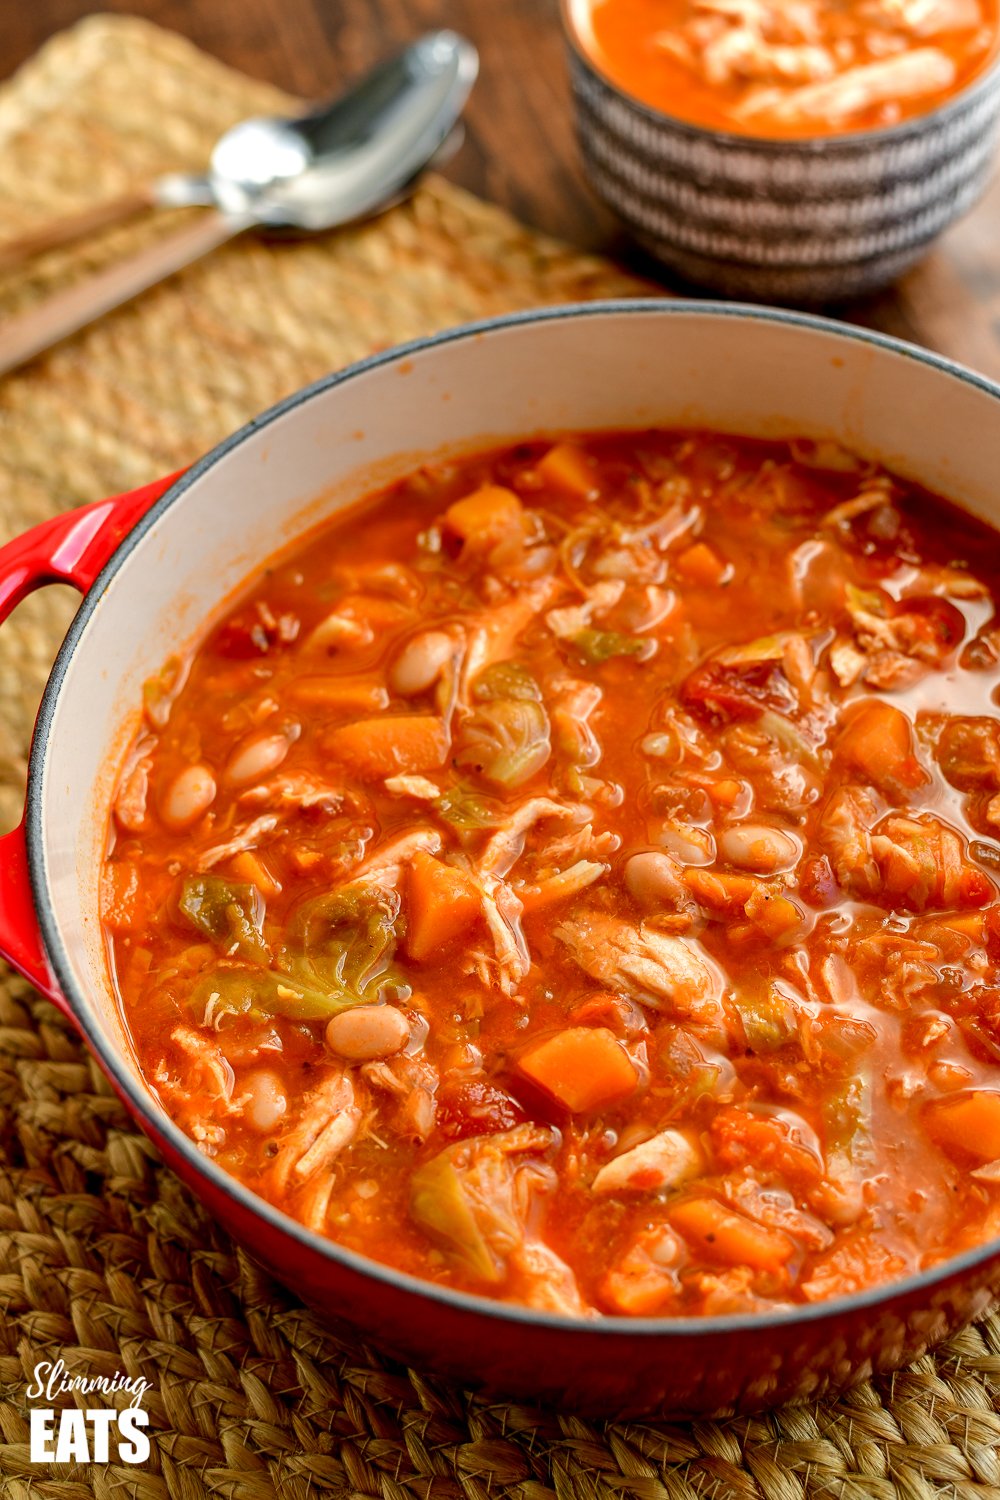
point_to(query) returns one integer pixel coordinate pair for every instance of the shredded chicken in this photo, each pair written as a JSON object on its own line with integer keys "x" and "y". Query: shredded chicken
{"x": 845, "y": 833}
{"x": 775, "y": 1208}
{"x": 658, "y": 968}
{"x": 133, "y": 793}
{"x": 904, "y": 634}
{"x": 922, "y": 863}
{"x": 923, "y": 18}
{"x": 210, "y": 1073}
{"x": 846, "y": 662}
{"x": 326, "y": 1125}
{"x": 335, "y": 1135}
{"x": 247, "y": 838}
{"x": 876, "y": 494}
{"x": 915, "y": 862}
{"x": 388, "y": 860}
{"x": 950, "y": 583}
{"x": 573, "y": 704}
{"x": 580, "y": 843}
{"x": 299, "y": 791}
{"x": 545, "y": 1281}
{"x": 493, "y": 635}
{"x": 505, "y": 845}
{"x": 907, "y": 75}
{"x": 420, "y": 787}
{"x": 572, "y": 618}
{"x": 502, "y": 911}
{"x": 202, "y": 1096}
{"x": 549, "y": 889}
{"x": 665, "y": 1161}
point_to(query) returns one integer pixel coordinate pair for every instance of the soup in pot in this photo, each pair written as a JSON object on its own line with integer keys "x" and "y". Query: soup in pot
{"x": 584, "y": 893}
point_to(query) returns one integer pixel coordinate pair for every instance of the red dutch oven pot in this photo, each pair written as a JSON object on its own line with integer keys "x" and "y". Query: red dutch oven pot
{"x": 156, "y": 564}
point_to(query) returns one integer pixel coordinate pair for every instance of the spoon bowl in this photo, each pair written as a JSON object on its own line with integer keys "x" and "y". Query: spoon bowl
{"x": 353, "y": 156}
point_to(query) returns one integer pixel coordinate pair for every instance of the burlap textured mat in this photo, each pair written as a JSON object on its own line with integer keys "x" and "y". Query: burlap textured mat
{"x": 105, "y": 1261}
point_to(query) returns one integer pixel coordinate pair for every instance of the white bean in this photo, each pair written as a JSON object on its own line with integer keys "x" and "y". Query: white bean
{"x": 367, "y": 1032}
{"x": 758, "y": 846}
{"x": 256, "y": 756}
{"x": 420, "y": 663}
{"x": 267, "y": 1104}
{"x": 652, "y": 878}
{"x": 188, "y": 797}
{"x": 688, "y": 844}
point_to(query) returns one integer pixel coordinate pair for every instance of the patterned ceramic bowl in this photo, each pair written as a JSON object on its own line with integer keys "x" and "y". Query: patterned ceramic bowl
{"x": 802, "y": 221}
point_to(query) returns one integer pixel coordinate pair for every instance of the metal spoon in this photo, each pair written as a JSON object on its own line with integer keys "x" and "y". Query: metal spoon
{"x": 354, "y": 157}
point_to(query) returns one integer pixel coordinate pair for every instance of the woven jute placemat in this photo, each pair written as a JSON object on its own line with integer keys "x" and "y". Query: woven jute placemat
{"x": 106, "y": 1262}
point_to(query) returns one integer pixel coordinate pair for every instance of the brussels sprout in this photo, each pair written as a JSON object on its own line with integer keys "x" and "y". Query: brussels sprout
{"x": 601, "y": 645}
{"x": 506, "y": 679}
{"x": 467, "y": 1199}
{"x": 506, "y": 741}
{"x": 769, "y": 1019}
{"x": 765, "y": 648}
{"x": 465, "y": 811}
{"x": 346, "y": 939}
{"x": 231, "y": 913}
{"x": 864, "y": 601}
{"x": 264, "y": 992}
{"x": 847, "y": 1130}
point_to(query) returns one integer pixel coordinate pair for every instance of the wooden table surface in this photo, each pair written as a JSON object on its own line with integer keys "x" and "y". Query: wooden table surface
{"x": 520, "y": 150}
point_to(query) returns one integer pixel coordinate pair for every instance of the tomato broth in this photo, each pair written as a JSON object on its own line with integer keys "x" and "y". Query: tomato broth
{"x": 584, "y": 892}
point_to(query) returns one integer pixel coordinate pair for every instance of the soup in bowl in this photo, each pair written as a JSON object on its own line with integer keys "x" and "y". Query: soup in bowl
{"x": 528, "y": 863}
{"x": 767, "y": 68}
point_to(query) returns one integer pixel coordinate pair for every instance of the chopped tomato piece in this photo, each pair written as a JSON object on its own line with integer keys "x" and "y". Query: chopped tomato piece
{"x": 476, "y": 1107}
{"x": 877, "y": 742}
{"x": 722, "y": 691}
{"x": 766, "y": 1142}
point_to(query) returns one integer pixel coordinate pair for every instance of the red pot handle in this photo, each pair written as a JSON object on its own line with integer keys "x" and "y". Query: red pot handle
{"x": 71, "y": 548}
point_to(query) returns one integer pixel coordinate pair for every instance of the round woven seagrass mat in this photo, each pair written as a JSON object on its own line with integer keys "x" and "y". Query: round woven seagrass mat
{"x": 105, "y": 1261}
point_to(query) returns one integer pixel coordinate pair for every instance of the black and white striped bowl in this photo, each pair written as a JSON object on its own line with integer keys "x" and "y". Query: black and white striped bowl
{"x": 801, "y": 221}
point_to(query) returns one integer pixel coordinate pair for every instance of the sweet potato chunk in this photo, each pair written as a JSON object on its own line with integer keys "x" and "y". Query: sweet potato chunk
{"x": 443, "y": 903}
{"x": 397, "y": 744}
{"x": 582, "y": 1068}
{"x": 968, "y": 1123}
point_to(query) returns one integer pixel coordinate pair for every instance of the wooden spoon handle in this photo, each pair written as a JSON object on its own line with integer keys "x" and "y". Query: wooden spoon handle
{"x": 74, "y": 227}
{"x": 26, "y": 335}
